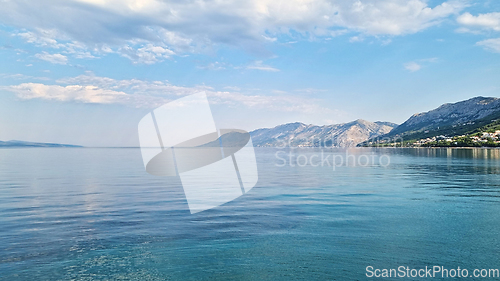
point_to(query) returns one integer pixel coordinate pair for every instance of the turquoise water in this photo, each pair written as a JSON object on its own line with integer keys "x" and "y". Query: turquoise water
{"x": 94, "y": 214}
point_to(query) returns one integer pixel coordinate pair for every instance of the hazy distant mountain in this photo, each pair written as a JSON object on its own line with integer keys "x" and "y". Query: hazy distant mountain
{"x": 339, "y": 135}
{"x": 16, "y": 143}
{"x": 449, "y": 119}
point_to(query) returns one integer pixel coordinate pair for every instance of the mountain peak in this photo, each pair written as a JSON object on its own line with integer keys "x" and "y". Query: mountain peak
{"x": 362, "y": 121}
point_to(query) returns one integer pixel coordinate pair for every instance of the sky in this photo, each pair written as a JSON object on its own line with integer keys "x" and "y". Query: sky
{"x": 86, "y": 71}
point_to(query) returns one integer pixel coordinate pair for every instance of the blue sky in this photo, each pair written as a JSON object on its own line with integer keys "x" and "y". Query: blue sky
{"x": 85, "y": 72}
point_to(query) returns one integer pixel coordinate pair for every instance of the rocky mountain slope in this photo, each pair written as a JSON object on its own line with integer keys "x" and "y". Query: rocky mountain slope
{"x": 449, "y": 119}
{"x": 302, "y": 135}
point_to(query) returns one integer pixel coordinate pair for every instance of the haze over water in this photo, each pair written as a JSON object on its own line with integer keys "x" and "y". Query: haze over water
{"x": 95, "y": 214}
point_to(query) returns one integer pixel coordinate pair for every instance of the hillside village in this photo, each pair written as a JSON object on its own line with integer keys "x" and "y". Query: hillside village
{"x": 479, "y": 139}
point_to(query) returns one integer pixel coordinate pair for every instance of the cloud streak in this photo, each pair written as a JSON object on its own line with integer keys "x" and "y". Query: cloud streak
{"x": 414, "y": 66}
{"x": 492, "y": 45}
{"x": 85, "y": 94}
{"x": 89, "y": 88}
{"x": 52, "y": 58}
{"x": 258, "y": 65}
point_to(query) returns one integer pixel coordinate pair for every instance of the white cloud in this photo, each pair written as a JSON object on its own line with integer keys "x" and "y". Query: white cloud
{"x": 14, "y": 76}
{"x": 259, "y": 66}
{"x": 479, "y": 23}
{"x": 232, "y": 88}
{"x": 492, "y": 45}
{"x": 148, "y": 54}
{"x": 394, "y": 17}
{"x": 85, "y": 55}
{"x": 335, "y": 33}
{"x": 309, "y": 91}
{"x": 418, "y": 64}
{"x": 213, "y": 66}
{"x": 89, "y": 88}
{"x": 489, "y": 21}
{"x": 144, "y": 88}
{"x": 355, "y": 39}
{"x": 432, "y": 60}
{"x": 42, "y": 37}
{"x": 86, "y": 94}
{"x": 52, "y": 58}
{"x": 19, "y": 76}
{"x": 276, "y": 103}
{"x": 412, "y": 66}
{"x": 149, "y": 31}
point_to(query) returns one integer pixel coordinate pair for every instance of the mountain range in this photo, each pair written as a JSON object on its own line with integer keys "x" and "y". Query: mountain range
{"x": 449, "y": 119}
{"x": 302, "y": 135}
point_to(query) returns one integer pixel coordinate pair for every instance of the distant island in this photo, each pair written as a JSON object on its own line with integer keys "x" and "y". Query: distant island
{"x": 17, "y": 143}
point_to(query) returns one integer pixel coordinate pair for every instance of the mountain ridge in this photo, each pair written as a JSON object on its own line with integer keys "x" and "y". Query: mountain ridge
{"x": 449, "y": 119}
{"x": 337, "y": 135}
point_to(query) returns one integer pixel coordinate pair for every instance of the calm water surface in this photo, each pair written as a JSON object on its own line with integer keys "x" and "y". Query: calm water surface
{"x": 94, "y": 214}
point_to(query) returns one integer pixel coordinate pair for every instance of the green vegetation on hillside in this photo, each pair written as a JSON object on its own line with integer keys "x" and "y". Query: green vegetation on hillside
{"x": 463, "y": 135}
{"x": 462, "y": 141}
{"x": 489, "y": 128}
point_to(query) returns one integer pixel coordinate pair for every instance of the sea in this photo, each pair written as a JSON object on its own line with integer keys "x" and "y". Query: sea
{"x": 95, "y": 214}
